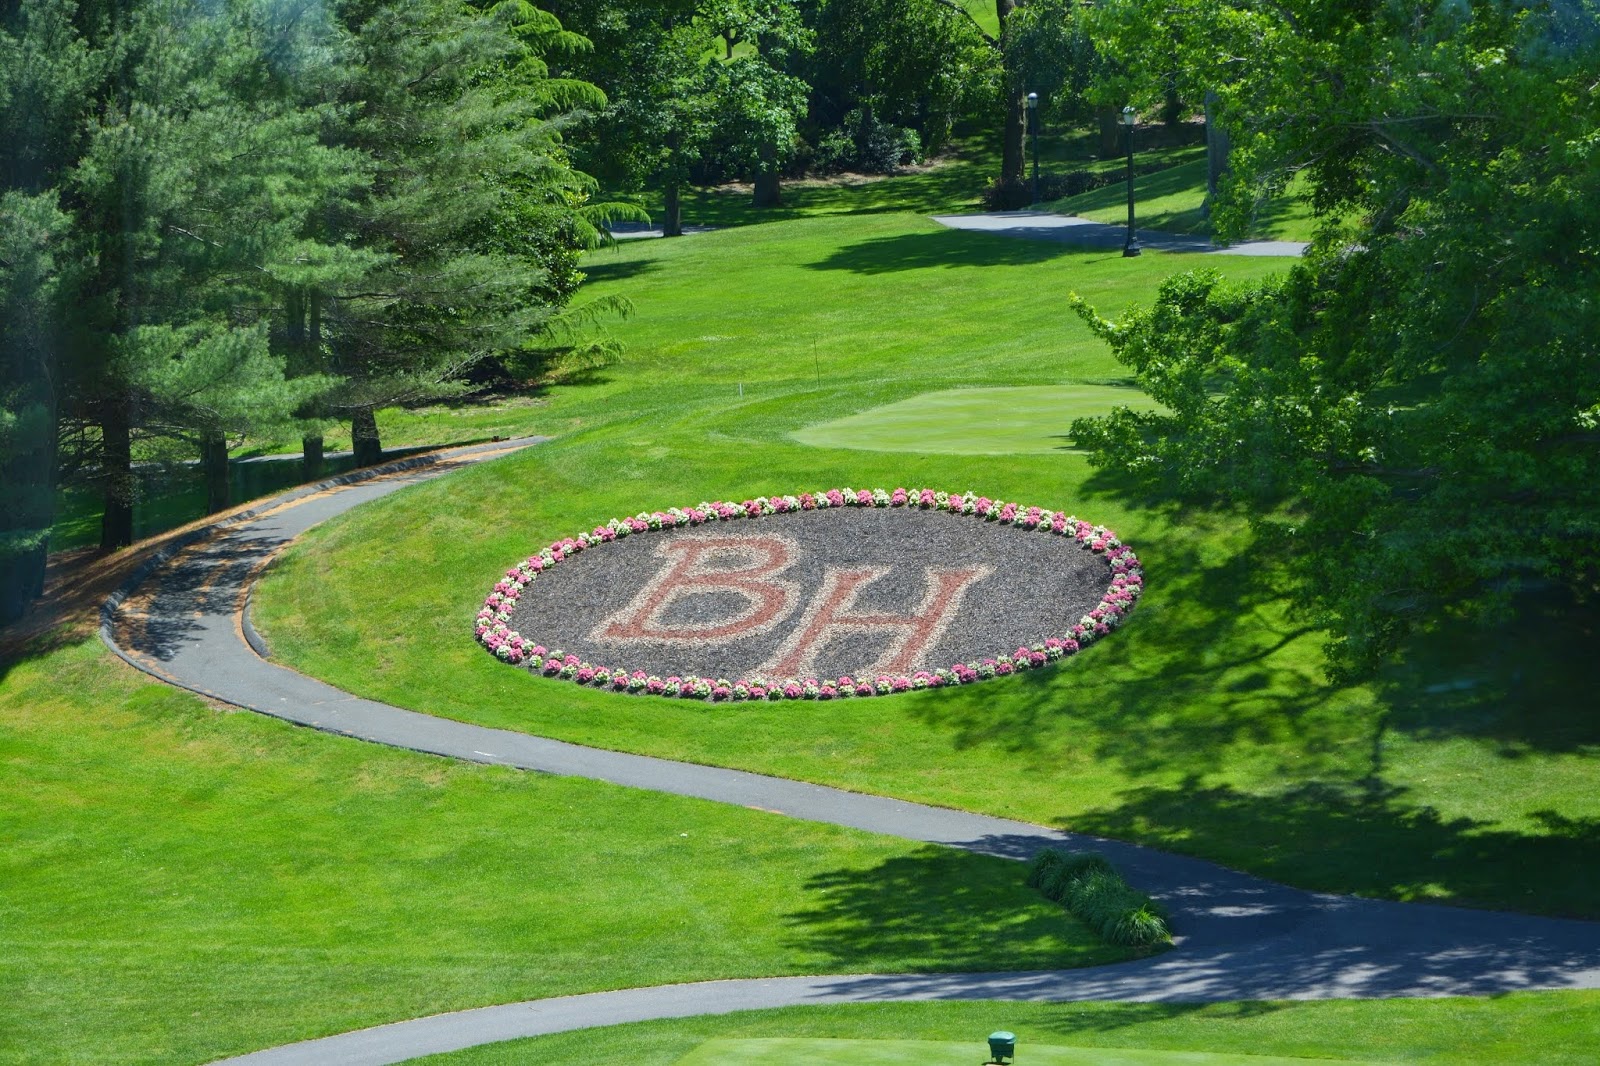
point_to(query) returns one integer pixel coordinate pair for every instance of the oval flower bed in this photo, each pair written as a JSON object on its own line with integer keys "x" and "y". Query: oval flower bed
{"x": 494, "y": 630}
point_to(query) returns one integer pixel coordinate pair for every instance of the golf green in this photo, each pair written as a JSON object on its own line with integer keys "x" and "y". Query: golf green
{"x": 787, "y": 1052}
{"x": 998, "y": 421}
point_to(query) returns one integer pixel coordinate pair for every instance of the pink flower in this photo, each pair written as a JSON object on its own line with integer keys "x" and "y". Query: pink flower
{"x": 807, "y": 501}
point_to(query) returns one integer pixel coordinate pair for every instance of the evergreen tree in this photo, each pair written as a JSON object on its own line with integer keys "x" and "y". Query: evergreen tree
{"x": 474, "y": 216}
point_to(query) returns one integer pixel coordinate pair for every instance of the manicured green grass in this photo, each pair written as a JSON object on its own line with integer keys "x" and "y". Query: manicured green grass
{"x": 1170, "y": 200}
{"x": 1205, "y": 725}
{"x": 1534, "y": 1029}
{"x": 786, "y": 1051}
{"x": 182, "y": 883}
{"x": 1025, "y": 419}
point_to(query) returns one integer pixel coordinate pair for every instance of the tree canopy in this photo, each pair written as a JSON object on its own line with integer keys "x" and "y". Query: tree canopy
{"x": 226, "y": 218}
{"x": 1412, "y": 412}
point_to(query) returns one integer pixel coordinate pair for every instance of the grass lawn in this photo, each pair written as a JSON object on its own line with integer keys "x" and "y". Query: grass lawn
{"x": 1544, "y": 1028}
{"x": 1024, "y": 419}
{"x": 1204, "y": 726}
{"x": 785, "y": 1051}
{"x": 1170, "y": 200}
{"x": 183, "y": 883}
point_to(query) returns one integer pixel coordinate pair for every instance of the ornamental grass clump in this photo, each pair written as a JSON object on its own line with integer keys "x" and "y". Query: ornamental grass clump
{"x": 1089, "y": 887}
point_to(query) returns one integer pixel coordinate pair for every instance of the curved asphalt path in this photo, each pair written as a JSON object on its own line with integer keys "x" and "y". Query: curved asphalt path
{"x": 184, "y": 618}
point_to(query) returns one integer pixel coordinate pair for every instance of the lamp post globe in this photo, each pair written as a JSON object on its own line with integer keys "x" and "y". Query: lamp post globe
{"x": 1033, "y": 124}
{"x": 1131, "y": 246}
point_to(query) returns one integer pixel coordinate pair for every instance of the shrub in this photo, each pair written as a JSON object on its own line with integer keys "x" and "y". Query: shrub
{"x": 1089, "y": 887}
{"x": 862, "y": 143}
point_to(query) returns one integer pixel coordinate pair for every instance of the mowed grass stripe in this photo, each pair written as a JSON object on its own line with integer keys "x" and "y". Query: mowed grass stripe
{"x": 1022, "y": 420}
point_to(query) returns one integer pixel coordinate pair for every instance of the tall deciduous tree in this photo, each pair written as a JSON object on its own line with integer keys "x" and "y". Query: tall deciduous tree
{"x": 1416, "y": 406}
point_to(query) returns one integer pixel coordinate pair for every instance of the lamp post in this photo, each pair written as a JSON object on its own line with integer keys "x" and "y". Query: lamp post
{"x": 1129, "y": 117}
{"x": 1033, "y": 122}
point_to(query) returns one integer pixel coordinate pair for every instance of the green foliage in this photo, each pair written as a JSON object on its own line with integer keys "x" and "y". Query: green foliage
{"x": 1088, "y": 886}
{"x": 274, "y": 212}
{"x": 31, "y": 228}
{"x": 1409, "y": 412}
{"x": 920, "y": 66}
{"x": 1055, "y": 56}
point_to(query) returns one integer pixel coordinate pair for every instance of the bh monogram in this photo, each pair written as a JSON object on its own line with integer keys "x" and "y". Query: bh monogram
{"x": 750, "y": 567}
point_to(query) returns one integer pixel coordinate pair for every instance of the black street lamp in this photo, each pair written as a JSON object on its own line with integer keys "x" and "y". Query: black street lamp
{"x": 1033, "y": 121}
{"x": 1129, "y": 117}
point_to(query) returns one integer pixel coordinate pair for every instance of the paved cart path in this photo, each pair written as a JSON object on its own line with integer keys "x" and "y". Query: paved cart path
{"x": 1083, "y": 232}
{"x": 185, "y": 619}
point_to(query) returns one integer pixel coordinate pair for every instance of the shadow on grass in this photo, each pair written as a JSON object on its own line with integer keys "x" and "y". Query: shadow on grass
{"x": 1215, "y": 704}
{"x": 940, "y": 910}
{"x": 596, "y": 269}
{"x": 1370, "y": 839}
{"x": 1205, "y": 666}
{"x": 1526, "y": 688}
{"x": 949, "y": 248}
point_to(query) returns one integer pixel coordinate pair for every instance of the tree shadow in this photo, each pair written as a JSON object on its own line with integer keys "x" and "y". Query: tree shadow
{"x": 948, "y": 248}
{"x": 1206, "y": 664}
{"x": 1521, "y": 688}
{"x": 617, "y": 269}
{"x": 168, "y": 609}
{"x": 940, "y": 910}
{"x": 1367, "y": 838}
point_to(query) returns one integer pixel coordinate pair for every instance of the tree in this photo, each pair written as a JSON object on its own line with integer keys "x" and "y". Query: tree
{"x": 474, "y": 216}
{"x": 31, "y": 228}
{"x": 756, "y": 103}
{"x": 695, "y": 89}
{"x": 1413, "y": 410}
{"x": 919, "y": 66}
{"x": 195, "y": 169}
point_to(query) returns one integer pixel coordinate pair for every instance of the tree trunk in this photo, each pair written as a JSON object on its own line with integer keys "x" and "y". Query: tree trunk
{"x": 116, "y": 517}
{"x": 311, "y": 461}
{"x": 769, "y": 191}
{"x": 1218, "y": 145}
{"x": 672, "y": 220}
{"x": 1012, "y": 164}
{"x": 214, "y": 467}
{"x": 364, "y": 438}
{"x": 1110, "y": 122}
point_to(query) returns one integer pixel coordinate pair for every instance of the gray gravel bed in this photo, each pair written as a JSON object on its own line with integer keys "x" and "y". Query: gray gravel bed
{"x": 1038, "y": 585}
